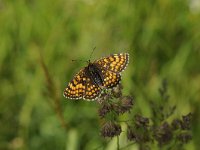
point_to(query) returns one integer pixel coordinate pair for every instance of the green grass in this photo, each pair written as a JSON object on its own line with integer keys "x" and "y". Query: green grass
{"x": 162, "y": 38}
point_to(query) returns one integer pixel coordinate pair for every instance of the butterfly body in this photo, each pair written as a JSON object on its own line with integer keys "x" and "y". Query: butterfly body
{"x": 94, "y": 72}
{"x": 104, "y": 73}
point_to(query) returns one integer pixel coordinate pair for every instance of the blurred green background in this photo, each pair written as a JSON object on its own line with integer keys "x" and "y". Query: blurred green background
{"x": 38, "y": 40}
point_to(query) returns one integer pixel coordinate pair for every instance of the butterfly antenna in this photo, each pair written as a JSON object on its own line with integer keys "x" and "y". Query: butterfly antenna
{"x": 92, "y": 53}
{"x": 74, "y": 60}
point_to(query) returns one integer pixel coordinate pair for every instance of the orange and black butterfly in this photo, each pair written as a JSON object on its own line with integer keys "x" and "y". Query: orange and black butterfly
{"x": 104, "y": 73}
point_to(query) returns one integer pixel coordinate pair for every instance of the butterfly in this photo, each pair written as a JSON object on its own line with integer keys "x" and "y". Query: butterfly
{"x": 90, "y": 81}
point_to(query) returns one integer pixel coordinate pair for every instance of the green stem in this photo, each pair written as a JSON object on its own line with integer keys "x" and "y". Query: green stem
{"x": 117, "y": 142}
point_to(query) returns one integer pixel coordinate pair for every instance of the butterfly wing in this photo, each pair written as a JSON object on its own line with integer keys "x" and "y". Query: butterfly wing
{"x": 76, "y": 87}
{"x": 110, "y": 79}
{"x": 92, "y": 92}
{"x": 114, "y": 63}
{"x": 81, "y": 87}
{"x": 111, "y": 68}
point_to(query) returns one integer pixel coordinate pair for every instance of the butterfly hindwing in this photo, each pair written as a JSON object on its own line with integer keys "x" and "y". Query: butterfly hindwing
{"x": 92, "y": 91}
{"x": 110, "y": 79}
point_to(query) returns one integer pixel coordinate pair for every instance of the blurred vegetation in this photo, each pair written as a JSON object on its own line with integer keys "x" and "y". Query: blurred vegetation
{"x": 38, "y": 40}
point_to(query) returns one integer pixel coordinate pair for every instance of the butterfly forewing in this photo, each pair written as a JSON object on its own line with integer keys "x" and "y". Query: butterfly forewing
{"x": 76, "y": 88}
{"x": 115, "y": 63}
{"x": 81, "y": 87}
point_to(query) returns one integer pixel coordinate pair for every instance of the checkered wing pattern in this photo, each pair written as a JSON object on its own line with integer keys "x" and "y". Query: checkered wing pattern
{"x": 110, "y": 79}
{"x": 111, "y": 68}
{"x": 114, "y": 63}
{"x": 81, "y": 87}
{"x": 92, "y": 91}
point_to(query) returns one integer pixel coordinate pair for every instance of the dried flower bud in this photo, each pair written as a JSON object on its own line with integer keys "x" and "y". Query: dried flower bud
{"x": 117, "y": 91}
{"x": 186, "y": 122}
{"x": 125, "y": 105}
{"x": 163, "y": 134}
{"x": 103, "y": 98}
{"x": 131, "y": 135}
{"x": 137, "y": 135}
{"x": 184, "y": 137}
{"x": 110, "y": 129}
{"x": 141, "y": 121}
{"x": 127, "y": 102}
{"x": 106, "y": 108}
{"x": 176, "y": 124}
